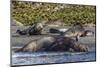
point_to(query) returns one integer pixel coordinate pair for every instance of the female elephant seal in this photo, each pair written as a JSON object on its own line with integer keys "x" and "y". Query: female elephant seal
{"x": 78, "y": 29}
{"x": 54, "y": 44}
{"x": 35, "y": 29}
{"x": 37, "y": 45}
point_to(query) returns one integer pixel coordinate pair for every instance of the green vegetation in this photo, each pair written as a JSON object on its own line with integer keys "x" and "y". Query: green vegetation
{"x": 30, "y": 12}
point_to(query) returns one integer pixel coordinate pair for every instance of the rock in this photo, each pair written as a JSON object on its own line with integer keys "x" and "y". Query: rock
{"x": 16, "y": 23}
{"x": 66, "y": 43}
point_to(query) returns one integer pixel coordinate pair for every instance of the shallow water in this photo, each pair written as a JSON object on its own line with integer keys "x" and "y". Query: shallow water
{"x": 51, "y": 57}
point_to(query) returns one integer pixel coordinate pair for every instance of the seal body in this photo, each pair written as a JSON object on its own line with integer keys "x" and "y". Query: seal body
{"x": 54, "y": 44}
{"x": 37, "y": 45}
{"x": 35, "y": 29}
{"x": 67, "y": 44}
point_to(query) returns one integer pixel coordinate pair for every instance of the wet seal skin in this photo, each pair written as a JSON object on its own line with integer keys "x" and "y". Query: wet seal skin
{"x": 54, "y": 44}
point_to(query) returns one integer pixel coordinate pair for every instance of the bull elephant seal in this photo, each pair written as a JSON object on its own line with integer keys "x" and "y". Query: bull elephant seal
{"x": 67, "y": 44}
{"x": 54, "y": 44}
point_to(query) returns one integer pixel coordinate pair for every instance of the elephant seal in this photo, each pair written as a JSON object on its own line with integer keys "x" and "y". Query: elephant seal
{"x": 66, "y": 43}
{"x": 37, "y": 45}
{"x": 54, "y": 44}
{"x": 53, "y": 30}
{"x": 78, "y": 30}
{"x": 35, "y": 29}
{"x": 21, "y": 32}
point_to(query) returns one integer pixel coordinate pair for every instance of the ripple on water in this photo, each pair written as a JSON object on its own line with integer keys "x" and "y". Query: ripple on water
{"x": 45, "y": 58}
